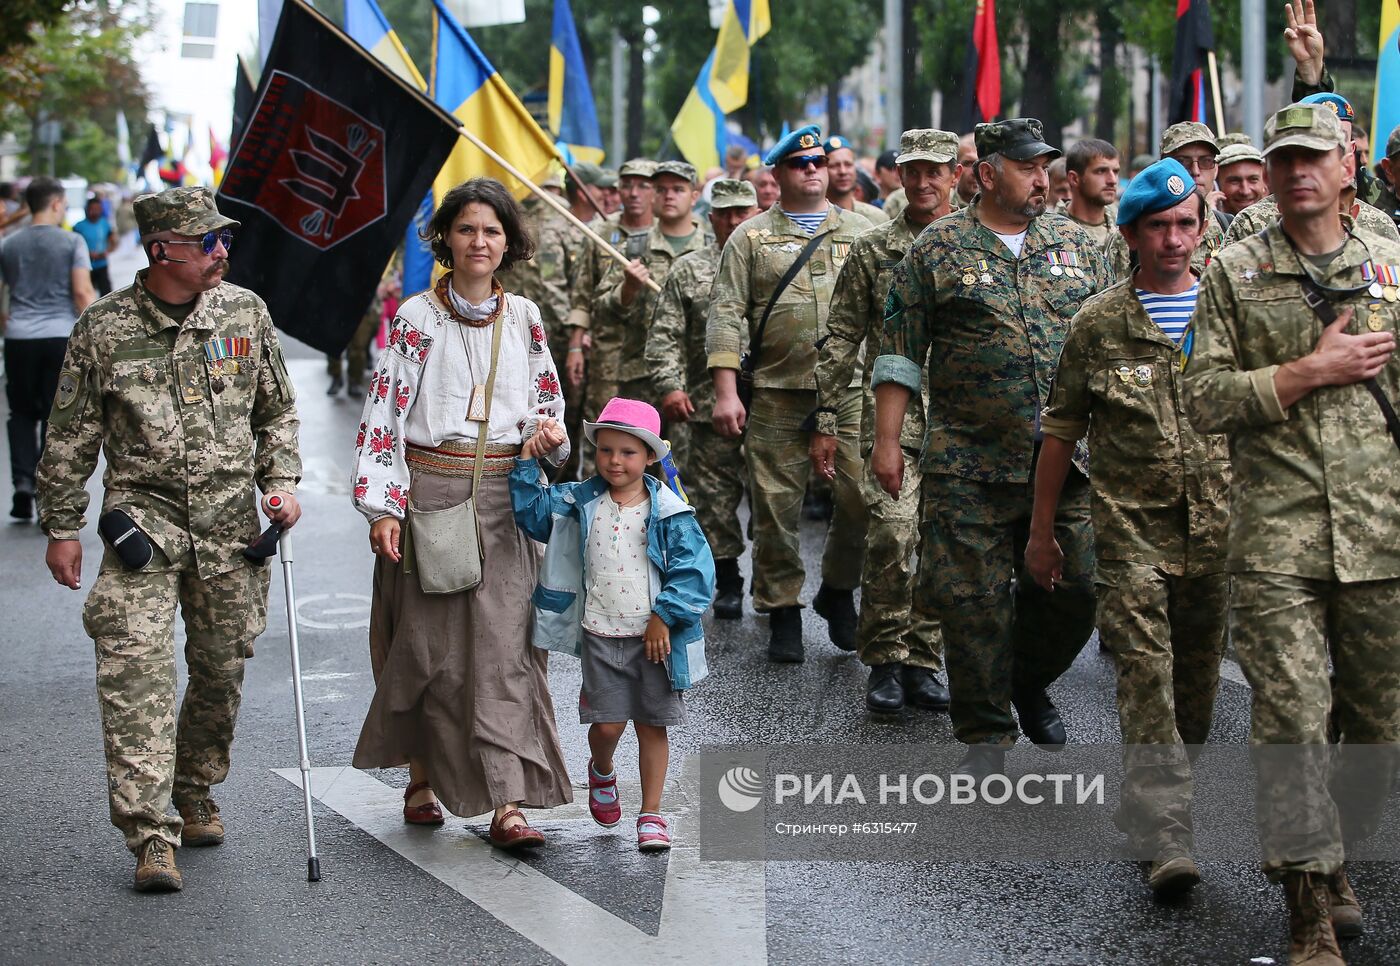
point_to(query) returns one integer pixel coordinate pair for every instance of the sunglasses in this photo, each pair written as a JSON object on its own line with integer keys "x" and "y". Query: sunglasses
{"x": 210, "y": 241}
{"x": 800, "y": 162}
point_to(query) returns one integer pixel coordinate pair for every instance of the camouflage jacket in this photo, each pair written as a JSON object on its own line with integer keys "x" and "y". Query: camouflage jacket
{"x": 874, "y": 215}
{"x": 620, "y": 331}
{"x": 676, "y": 342}
{"x": 590, "y": 263}
{"x": 1264, "y": 213}
{"x": 752, "y": 264}
{"x": 989, "y": 328}
{"x": 189, "y": 416}
{"x": 1316, "y": 490}
{"x": 897, "y": 201}
{"x": 1120, "y": 261}
{"x": 1103, "y": 231}
{"x": 1388, "y": 204}
{"x": 1160, "y": 489}
{"x": 544, "y": 279}
{"x": 854, "y": 328}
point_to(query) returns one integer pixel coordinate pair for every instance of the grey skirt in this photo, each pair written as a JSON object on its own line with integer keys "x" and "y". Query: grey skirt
{"x": 459, "y": 686}
{"x": 620, "y": 684}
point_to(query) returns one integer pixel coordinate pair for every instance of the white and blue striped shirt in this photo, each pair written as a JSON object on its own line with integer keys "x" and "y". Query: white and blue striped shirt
{"x": 809, "y": 222}
{"x": 1172, "y": 313}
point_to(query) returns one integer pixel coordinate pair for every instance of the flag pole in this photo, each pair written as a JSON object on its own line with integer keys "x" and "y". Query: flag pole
{"x": 1215, "y": 92}
{"x": 549, "y": 199}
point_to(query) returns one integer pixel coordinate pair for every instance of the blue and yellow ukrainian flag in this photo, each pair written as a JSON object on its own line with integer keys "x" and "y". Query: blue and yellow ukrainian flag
{"x": 468, "y": 87}
{"x": 723, "y": 85}
{"x": 1387, "y": 112}
{"x": 368, "y": 27}
{"x": 573, "y": 119}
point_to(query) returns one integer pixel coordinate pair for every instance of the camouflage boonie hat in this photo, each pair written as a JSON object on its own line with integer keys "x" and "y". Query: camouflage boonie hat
{"x": 1234, "y": 137}
{"x": 1018, "y": 138}
{"x": 729, "y": 193}
{"x": 927, "y": 144}
{"x": 637, "y": 168}
{"x": 1183, "y": 133}
{"x": 677, "y": 168}
{"x": 185, "y": 211}
{"x": 1312, "y": 126}
{"x": 1233, "y": 153}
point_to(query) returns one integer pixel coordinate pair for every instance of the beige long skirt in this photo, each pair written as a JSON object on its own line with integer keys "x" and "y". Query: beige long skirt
{"x": 459, "y": 686}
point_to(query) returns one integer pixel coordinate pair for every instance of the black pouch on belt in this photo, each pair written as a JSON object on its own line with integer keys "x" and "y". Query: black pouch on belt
{"x": 126, "y": 539}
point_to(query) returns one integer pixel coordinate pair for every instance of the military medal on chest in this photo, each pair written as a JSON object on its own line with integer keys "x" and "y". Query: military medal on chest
{"x": 986, "y": 276}
{"x": 1065, "y": 263}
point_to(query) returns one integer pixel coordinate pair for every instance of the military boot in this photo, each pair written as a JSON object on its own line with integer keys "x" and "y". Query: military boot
{"x": 729, "y": 590}
{"x": 785, "y": 635}
{"x": 838, "y": 607}
{"x": 1039, "y": 719}
{"x": 922, "y": 688}
{"x": 155, "y": 867}
{"x": 1346, "y": 910}
{"x": 202, "y": 823}
{"x": 1173, "y": 873}
{"x": 1311, "y": 939}
{"x": 884, "y": 691}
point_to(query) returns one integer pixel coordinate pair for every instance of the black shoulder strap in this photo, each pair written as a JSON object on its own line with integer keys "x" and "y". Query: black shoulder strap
{"x": 750, "y": 362}
{"x": 1317, "y": 301}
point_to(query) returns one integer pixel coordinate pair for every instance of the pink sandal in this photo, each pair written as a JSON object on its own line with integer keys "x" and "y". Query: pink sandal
{"x": 602, "y": 798}
{"x": 653, "y": 834}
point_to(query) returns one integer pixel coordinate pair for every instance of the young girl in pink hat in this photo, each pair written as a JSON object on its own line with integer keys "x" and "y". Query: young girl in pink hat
{"x": 626, "y": 576}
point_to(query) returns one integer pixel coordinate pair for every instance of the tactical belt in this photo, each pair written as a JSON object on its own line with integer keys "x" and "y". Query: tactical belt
{"x": 1327, "y": 312}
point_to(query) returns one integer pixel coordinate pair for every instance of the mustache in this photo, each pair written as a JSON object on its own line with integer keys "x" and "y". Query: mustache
{"x": 221, "y": 265}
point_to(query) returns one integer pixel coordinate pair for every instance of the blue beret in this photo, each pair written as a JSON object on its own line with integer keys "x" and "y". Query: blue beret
{"x": 1337, "y": 102}
{"x": 836, "y": 142}
{"x": 1161, "y": 185}
{"x": 803, "y": 138}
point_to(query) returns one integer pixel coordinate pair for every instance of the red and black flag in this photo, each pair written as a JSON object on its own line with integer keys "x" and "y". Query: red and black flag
{"x": 1191, "y": 97}
{"x": 334, "y": 160}
{"x": 982, "y": 71}
{"x": 242, "y": 102}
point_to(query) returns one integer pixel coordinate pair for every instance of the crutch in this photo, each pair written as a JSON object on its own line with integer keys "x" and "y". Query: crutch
{"x": 261, "y": 550}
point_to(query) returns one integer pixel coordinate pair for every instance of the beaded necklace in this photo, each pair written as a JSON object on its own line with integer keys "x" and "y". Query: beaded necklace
{"x": 441, "y": 291}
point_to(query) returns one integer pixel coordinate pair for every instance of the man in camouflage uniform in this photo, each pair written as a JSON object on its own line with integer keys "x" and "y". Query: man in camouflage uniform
{"x": 179, "y": 380}
{"x": 1160, "y": 508}
{"x": 841, "y": 188}
{"x": 1388, "y": 200}
{"x": 753, "y": 262}
{"x": 1257, "y": 217}
{"x": 983, "y": 301}
{"x": 1314, "y": 543}
{"x": 1240, "y": 174}
{"x": 1091, "y": 167}
{"x": 711, "y": 464}
{"x": 898, "y": 637}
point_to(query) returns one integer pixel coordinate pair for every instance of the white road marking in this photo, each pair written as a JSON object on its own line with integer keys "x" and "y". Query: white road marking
{"x": 711, "y": 912}
{"x": 306, "y": 606}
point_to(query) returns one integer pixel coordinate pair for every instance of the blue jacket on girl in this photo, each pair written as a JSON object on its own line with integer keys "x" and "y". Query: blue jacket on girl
{"x": 681, "y": 567}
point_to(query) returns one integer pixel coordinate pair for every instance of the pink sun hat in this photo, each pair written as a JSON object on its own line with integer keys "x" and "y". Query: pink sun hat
{"x": 630, "y": 416}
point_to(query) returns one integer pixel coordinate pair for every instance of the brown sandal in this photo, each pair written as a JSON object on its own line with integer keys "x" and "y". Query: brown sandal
{"x": 429, "y": 813}
{"x": 517, "y": 836}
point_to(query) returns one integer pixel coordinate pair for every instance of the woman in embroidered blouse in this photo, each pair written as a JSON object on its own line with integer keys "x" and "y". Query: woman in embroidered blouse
{"x": 461, "y": 694}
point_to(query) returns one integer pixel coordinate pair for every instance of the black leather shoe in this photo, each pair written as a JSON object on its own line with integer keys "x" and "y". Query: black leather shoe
{"x": 729, "y": 590}
{"x": 336, "y": 385}
{"x": 1039, "y": 720}
{"x": 922, "y": 688}
{"x": 838, "y": 607}
{"x": 979, "y": 761}
{"x": 785, "y": 630}
{"x": 22, "y": 507}
{"x": 884, "y": 692}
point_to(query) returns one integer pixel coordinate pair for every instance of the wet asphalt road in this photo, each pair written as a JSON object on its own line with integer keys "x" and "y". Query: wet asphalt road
{"x": 64, "y": 876}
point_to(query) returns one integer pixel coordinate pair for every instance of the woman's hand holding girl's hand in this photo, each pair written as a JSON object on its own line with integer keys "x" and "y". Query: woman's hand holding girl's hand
{"x": 384, "y": 538}
{"x": 657, "y": 639}
{"x": 548, "y": 437}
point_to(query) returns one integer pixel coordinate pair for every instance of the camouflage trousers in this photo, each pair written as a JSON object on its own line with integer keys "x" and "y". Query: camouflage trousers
{"x": 998, "y": 636}
{"x": 1167, "y": 636}
{"x": 894, "y": 626}
{"x": 712, "y": 467}
{"x": 357, "y": 350}
{"x": 573, "y": 405}
{"x": 1311, "y": 797}
{"x": 779, "y": 468}
{"x": 130, "y": 617}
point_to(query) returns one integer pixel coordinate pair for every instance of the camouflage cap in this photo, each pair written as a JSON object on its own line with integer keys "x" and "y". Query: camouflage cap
{"x": 1017, "y": 138}
{"x": 553, "y": 179}
{"x": 607, "y": 178}
{"x": 1141, "y": 161}
{"x": 1234, "y": 137}
{"x": 679, "y": 169}
{"x": 637, "y": 168}
{"x": 1312, "y": 126}
{"x": 1392, "y": 143}
{"x": 731, "y": 193}
{"x": 1234, "y": 153}
{"x": 927, "y": 144}
{"x": 586, "y": 172}
{"x": 1183, "y": 133}
{"x": 185, "y": 211}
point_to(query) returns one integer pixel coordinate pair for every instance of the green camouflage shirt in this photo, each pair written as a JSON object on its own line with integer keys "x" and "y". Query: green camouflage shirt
{"x": 1103, "y": 231}
{"x": 589, "y": 264}
{"x": 189, "y": 417}
{"x": 620, "y": 331}
{"x": 544, "y": 279}
{"x": 1264, "y": 213}
{"x": 989, "y": 328}
{"x": 1160, "y": 489}
{"x": 854, "y": 328}
{"x": 1316, "y": 490}
{"x": 1119, "y": 256}
{"x": 752, "y": 264}
{"x": 676, "y": 343}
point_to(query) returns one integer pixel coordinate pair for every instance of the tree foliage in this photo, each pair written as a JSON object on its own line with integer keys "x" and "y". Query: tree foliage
{"x": 23, "y": 18}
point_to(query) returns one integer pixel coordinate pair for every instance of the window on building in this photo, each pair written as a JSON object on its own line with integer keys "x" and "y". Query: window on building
{"x": 197, "y": 51}
{"x": 201, "y": 19}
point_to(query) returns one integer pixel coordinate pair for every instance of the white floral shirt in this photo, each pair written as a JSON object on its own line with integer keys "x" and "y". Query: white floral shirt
{"x": 617, "y": 598}
{"x": 423, "y": 386}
